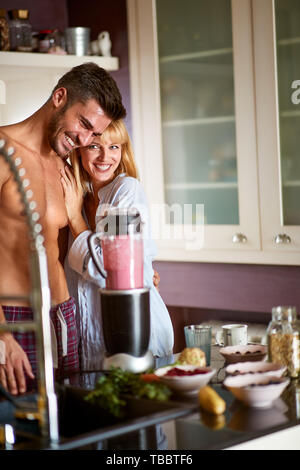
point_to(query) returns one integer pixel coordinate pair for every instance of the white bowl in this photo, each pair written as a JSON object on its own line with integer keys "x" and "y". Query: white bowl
{"x": 244, "y": 353}
{"x": 260, "y": 367}
{"x": 262, "y": 394}
{"x": 186, "y": 384}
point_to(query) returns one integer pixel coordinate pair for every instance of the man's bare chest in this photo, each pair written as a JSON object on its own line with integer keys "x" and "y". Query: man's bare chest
{"x": 55, "y": 210}
{"x": 43, "y": 190}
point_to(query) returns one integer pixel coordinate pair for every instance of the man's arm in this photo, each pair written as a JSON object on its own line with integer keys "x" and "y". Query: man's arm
{"x": 14, "y": 362}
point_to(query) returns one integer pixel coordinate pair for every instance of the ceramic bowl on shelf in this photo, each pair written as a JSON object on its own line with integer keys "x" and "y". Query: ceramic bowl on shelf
{"x": 185, "y": 384}
{"x": 256, "y": 390}
{"x": 256, "y": 367}
{"x": 244, "y": 353}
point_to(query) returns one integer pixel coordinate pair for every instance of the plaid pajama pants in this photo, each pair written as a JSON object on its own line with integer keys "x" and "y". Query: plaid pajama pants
{"x": 62, "y": 317}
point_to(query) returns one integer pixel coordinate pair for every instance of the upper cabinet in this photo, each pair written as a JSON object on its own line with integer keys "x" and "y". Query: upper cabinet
{"x": 276, "y": 27}
{"x": 215, "y": 130}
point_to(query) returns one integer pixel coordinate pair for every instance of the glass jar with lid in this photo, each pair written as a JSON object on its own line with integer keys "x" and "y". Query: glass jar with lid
{"x": 20, "y": 31}
{"x": 50, "y": 40}
{"x": 283, "y": 339}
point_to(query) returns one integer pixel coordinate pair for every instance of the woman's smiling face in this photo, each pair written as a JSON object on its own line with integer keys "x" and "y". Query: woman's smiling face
{"x": 100, "y": 160}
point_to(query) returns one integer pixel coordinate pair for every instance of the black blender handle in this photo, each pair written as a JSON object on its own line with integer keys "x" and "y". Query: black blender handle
{"x": 91, "y": 239}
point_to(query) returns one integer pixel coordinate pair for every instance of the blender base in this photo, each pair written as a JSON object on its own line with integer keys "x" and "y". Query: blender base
{"x": 130, "y": 363}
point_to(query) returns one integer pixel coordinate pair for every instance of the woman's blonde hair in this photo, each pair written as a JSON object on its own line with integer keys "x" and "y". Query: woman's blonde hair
{"x": 117, "y": 133}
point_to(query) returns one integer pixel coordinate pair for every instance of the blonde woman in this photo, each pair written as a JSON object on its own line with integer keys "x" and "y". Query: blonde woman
{"x": 104, "y": 173}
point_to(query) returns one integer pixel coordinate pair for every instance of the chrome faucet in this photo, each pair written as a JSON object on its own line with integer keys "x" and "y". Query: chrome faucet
{"x": 40, "y": 301}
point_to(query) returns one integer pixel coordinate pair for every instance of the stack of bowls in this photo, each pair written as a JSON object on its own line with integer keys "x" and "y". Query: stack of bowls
{"x": 256, "y": 384}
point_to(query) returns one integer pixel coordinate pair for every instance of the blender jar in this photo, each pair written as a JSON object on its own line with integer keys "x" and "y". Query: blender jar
{"x": 121, "y": 241}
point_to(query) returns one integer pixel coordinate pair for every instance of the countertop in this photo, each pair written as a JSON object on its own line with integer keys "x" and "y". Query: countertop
{"x": 181, "y": 425}
{"x": 240, "y": 424}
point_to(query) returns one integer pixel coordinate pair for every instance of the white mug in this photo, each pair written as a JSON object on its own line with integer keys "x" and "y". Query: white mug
{"x": 232, "y": 335}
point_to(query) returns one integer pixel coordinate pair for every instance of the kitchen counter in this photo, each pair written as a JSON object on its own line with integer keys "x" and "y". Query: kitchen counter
{"x": 86, "y": 425}
{"x": 242, "y": 427}
{"x": 178, "y": 425}
{"x": 242, "y": 424}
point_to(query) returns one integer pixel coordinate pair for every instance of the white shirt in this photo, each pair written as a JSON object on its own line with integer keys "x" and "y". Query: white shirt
{"x": 84, "y": 279}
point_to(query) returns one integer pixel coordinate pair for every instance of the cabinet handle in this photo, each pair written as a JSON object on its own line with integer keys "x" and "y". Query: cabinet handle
{"x": 282, "y": 238}
{"x": 239, "y": 238}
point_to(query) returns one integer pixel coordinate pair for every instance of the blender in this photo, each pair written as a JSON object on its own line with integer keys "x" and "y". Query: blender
{"x": 117, "y": 251}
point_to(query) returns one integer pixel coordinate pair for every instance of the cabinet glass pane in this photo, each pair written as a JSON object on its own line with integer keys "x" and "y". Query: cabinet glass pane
{"x": 197, "y": 106}
{"x": 288, "y": 70}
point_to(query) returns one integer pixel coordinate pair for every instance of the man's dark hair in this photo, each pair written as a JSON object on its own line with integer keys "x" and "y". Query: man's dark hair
{"x": 89, "y": 81}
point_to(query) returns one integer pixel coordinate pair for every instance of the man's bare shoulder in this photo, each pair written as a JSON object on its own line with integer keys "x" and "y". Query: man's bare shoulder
{"x": 29, "y": 161}
{"x": 9, "y": 132}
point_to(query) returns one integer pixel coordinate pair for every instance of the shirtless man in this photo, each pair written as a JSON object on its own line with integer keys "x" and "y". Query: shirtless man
{"x": 81, "y": 106}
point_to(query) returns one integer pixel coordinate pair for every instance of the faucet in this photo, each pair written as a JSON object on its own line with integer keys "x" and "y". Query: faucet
{"x": 40, "y": 301}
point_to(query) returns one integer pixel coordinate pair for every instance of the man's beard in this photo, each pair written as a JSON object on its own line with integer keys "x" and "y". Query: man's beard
{"x": 53, "y": 131}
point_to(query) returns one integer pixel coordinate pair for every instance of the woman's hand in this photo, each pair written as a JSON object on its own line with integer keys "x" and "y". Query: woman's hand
{"x": 72, "y": 192}
{"x": 156, "y": 280}
{"x": 73, "y": 200}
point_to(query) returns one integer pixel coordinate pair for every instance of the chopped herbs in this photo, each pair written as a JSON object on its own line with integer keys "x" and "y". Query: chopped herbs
{"x": 111, "y": 387}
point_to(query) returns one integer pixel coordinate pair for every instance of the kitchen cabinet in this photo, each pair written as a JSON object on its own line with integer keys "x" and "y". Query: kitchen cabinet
{"x": 207, "y": 123}
{"x": 27, "y": 79}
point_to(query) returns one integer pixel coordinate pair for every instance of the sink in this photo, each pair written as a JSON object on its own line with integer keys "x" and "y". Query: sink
{"x": 82, "y": 423}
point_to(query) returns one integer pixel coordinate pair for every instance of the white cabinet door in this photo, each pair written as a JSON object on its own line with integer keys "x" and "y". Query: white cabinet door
{"x": 277, "y": 66}
{"x": 190, "y": 150}
{"x": 264, "y": 216}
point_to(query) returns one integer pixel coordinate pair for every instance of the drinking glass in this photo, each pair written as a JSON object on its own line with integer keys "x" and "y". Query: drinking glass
{"x": 199, "y": 336}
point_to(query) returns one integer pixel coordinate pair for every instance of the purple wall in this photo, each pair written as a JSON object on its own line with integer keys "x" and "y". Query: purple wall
{"x": 43, "y": 14}
{"x": 231, "y": 287}
{"x": 197, "y": 292}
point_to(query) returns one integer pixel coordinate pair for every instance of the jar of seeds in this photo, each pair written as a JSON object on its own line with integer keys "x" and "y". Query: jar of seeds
{"x": 283, "y": 337}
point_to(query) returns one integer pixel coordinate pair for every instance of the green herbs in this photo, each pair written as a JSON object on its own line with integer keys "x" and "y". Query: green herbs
{"x": 110, "y": 388}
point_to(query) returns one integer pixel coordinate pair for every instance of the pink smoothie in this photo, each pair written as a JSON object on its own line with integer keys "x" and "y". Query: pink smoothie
{"x": 123, "y": 260}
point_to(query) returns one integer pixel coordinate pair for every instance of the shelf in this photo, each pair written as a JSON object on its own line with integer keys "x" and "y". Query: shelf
{"x": 31, "y": 60}
{"x": 292, "y": 113}
{"x": 199, "y": 121}
{"x": 291, "y": 184}
{"x": 195, "y": 55}
{"x": 288, "y": 41}
{"x": 194, "y": 186}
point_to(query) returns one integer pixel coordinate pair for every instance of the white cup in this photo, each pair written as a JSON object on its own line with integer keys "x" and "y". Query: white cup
{"x": 232, "y": 335}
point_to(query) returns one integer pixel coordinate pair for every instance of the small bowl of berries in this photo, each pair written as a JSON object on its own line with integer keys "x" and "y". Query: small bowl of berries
{"x": 185, "y": 379}
{"x": 243, "y": 353}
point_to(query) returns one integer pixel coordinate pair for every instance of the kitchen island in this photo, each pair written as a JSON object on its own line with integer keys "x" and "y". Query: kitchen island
{"x": 176, "y": 425}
